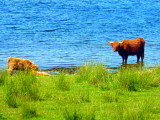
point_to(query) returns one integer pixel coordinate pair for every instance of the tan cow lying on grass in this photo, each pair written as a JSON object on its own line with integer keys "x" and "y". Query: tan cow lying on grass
{"x": 23, "y": 65}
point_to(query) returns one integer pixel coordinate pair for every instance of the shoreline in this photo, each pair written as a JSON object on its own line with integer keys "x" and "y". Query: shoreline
{"x": 72, "y": 70}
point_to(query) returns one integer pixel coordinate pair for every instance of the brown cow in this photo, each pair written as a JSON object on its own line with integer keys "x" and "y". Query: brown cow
{"x": 129, "y": 47}
{"x": 21, "y": 64}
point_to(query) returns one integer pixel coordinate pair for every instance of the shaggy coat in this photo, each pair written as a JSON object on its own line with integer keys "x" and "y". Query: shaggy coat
{"x": 20, "y": 64}
{"x": 129, "y": 47}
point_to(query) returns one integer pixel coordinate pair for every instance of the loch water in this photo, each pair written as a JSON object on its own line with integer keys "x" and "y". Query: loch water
{"x": 68, "y": 33}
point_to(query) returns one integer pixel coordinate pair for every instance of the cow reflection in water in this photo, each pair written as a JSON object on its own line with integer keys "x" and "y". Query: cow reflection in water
{"x": 137, "y": 65}
{"x": 126, "y": 48}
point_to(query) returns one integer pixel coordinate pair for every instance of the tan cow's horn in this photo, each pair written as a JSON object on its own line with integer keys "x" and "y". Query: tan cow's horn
{"x": 110, "y": 42}
{"x": 120, "y": 42}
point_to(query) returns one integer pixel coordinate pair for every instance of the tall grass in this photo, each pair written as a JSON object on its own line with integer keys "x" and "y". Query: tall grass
{"x": 135, "y": 79}
{"x": 77, "y": 114}
{"x": 28, "y": 110}
{"x": 11, "y": 94}
{"x": 85, "y": 96}
{"x": 21, "y": 86}
{"x": 93, "y": 73}
{"x": 2, "y": 117}
{"x": 131, "y": 79}
{"x": 91, "y": 93}
{"x": 3, "y": 76}
{"x": 138, "y": 111}
{"x": 128, "y": 79}
{"x": 62, "y": 82}
{"x": 110, "y": 97}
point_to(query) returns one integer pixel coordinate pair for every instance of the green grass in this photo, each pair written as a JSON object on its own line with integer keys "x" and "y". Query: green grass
{"x": 28, "y": 110}
{"x": 20, "y": 87}
{"x": 91, "y": 93}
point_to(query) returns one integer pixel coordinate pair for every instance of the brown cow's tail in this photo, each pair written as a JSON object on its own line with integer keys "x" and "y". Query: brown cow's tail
{"x": 142, "y": 46}
{"x": 142, "y": 41}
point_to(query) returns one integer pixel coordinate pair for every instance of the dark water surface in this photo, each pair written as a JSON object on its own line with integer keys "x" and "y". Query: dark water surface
{"x": 67, "y": 33}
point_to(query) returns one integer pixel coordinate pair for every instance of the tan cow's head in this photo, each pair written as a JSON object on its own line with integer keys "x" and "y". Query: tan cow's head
{"x": 35, "y": 68}
{"x": 116, "y": 45}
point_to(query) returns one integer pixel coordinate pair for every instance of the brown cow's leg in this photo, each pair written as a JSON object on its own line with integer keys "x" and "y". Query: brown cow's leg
{"x": 126, "y": 57}
{"x": 138, "y": 57}
{"x": 123, "y": 59}
{"x": 142, "y": 57}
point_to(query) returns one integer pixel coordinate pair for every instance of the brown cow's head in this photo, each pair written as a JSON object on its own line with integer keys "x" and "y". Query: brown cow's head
{"x": 116, "y": 45}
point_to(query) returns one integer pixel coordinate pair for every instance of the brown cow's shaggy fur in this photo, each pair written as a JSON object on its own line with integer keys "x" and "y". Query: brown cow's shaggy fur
{"x": 21, "y": 64}
{"x": 129, "y": 47}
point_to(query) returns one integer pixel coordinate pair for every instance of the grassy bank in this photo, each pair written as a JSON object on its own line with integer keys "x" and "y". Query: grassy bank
{"x": 91, "y": 93}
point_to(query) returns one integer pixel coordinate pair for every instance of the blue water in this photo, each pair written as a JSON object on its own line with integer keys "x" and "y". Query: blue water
{"x": 67, "y": 33}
